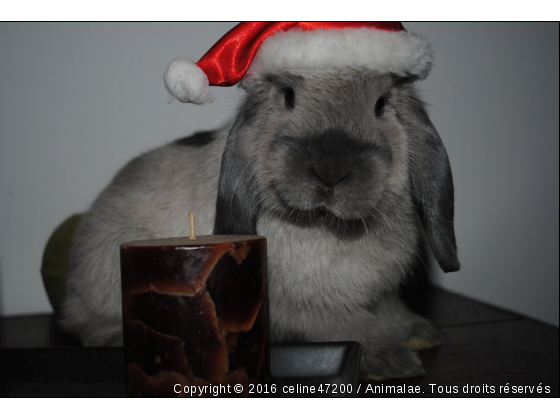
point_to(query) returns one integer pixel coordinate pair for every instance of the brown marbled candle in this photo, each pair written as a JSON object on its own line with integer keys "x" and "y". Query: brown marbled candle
{"x": 194, "y": 313}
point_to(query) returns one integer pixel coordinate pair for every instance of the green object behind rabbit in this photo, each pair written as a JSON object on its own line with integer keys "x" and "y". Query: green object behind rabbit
{"x": 55, "y": 264}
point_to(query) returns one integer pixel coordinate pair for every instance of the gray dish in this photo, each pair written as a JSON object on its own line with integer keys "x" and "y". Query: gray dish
{"x": 315, "y": 369}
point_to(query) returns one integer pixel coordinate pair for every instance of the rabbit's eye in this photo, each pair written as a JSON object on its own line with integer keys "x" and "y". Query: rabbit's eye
{"x": 289, "y": 97}
{"x": 380, "y": 107}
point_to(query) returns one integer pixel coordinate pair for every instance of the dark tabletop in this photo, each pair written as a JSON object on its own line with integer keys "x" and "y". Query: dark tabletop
{"x": 486, "y": 351}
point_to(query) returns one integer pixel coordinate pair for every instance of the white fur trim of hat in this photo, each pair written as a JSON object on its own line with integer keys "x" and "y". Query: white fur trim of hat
{"x": 253, "y": 48}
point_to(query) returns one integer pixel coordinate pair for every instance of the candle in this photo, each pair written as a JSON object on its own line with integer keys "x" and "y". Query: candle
{"x": 194, "y": 314}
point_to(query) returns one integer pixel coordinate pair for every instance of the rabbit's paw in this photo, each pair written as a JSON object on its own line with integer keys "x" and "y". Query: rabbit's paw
{"x": 422, "y": 336}
{"x": 394, "y": 362}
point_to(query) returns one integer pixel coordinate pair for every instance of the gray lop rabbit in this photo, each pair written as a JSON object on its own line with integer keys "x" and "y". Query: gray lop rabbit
{"x": 331, "y": 157}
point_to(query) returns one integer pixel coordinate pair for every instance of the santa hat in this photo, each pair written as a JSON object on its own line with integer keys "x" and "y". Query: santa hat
{"x": 252, "y": 48}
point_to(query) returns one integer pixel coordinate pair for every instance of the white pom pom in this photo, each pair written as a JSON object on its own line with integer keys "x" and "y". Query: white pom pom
{"x": 187, "y": 82}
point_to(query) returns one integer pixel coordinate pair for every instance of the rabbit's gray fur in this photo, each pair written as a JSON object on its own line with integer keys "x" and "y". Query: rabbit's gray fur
{"x": 345, "y": 198}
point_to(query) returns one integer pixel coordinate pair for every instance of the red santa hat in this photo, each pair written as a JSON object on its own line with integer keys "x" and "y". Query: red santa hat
{"x": 252, "y": 48}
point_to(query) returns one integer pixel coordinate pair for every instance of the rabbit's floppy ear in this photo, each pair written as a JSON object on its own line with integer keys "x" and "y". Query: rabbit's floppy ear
{"x": 432, "y": 184}
{"x": 238, "y": 199}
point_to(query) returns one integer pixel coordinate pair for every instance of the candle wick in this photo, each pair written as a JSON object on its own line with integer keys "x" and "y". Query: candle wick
{"x": 191, "y": 222}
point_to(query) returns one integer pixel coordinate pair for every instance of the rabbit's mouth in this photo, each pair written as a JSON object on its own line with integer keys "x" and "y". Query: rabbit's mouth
{"x": 322, "y": 217}
{"x": 307, "y": 197}
{"x": 325, "y": 212}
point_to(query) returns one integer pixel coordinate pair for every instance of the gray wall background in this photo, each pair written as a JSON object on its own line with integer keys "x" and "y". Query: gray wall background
{"x": 78, "y": 100}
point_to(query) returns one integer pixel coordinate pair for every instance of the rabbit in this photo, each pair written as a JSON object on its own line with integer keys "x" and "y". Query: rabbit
{"x": 347, "y": 184}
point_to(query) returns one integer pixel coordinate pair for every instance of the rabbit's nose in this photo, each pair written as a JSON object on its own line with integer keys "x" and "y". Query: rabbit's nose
{"x": 328, "y": 177}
